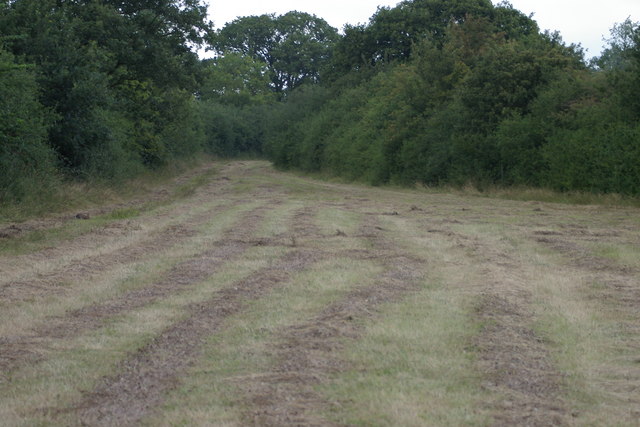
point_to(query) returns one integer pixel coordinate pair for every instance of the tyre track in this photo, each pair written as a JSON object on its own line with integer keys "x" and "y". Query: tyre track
{"x": 516, "y": 362}
{"x": 308, "y": 352}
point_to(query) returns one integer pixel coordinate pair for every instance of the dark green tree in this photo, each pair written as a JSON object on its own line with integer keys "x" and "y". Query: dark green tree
{"x": 621, "y": 63}
{"x": 236, "y": 79}
{"x": 26, "y": 161}
{"x": 392, "y": 32}
{"x": 116, "y": 73}
{"x": 295, "y": 46}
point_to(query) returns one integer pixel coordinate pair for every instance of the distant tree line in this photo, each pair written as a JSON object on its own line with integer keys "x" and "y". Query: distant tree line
{"x": 429, "y": 91}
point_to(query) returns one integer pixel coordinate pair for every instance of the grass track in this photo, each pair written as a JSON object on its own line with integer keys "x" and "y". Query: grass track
{"x": 255, "y": 297}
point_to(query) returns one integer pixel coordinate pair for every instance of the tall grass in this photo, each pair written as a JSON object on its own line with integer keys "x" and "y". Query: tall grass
{"x": 68, "y": 194}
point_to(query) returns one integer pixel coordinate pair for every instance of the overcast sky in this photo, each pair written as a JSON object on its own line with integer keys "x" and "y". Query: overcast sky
{"x": 579, "y": 21}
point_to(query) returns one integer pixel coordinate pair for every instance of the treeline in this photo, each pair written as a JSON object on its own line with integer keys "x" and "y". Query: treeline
{"x": 429, "y": 91}
{"x": 455, "y": 92}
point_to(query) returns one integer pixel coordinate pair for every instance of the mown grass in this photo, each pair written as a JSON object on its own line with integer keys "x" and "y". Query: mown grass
{"x": 77, "y": 364}
{"x": 588, "y": 347}
{"x": 575, "y": 313}
{"x": 412, "y": 367}
{"x": 535, "y": 194}
{"x": 414, "y": 362}
{"x": 625, "y": 255}
{"x": 19, "y": 316}
{"x": 517, "y": 193}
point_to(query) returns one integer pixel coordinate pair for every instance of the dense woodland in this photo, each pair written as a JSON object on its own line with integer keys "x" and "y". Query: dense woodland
{"x": 430, "y": 91}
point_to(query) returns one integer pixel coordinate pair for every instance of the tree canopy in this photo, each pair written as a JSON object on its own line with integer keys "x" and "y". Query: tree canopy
{"x": 294, "y": 47}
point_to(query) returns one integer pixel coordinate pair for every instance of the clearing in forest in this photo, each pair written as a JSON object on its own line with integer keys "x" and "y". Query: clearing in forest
{"x": 264, "y": 298}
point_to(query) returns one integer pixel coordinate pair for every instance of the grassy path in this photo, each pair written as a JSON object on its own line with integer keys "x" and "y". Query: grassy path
{"x": 261, "y": 298}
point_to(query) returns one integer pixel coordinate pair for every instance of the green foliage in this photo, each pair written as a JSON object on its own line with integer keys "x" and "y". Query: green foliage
{"x": 393, "y": 32}
{"x": 294, "y": 47}
{"x": 26, "y": 161}
{"x": 429, "y": 91}
{"x": 230, "y": 130}
{"x": 621, "y": 61}
{"x": 236, "y": 79}
{"x": 462, "y": 91}
{"x": 287, "y": 122}
{"x": 596, "y": 153}
{"x": 118, "y": 75}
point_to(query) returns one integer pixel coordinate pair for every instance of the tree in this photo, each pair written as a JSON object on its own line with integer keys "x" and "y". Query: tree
{"x": 294, "y": 47}
{"x": 115, "y": 72}
{"x": 26, "y": 161}
{"x": 236, "y": 79}
{"x": 621, "y": 62}
{"x": 392, "y": 33}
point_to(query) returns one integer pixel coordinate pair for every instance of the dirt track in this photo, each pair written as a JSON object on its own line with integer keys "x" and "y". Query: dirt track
{"x": 110, "y": 326}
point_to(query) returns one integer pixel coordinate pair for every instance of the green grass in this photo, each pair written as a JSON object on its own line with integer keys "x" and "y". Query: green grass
{"x": 412, "y": 361}
{"x": 68, "y": 229}
{"x": 125, "y": 213}
{"x": 534, "y": 194}
{"x": 412, "y": 367}
{"x": 414, "y": 364}
{"x": 517, "y": 193}
{"x": 77, "y": 195}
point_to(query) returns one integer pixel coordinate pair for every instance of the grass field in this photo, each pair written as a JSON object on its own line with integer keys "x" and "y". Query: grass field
{"x": 238, "y": 295}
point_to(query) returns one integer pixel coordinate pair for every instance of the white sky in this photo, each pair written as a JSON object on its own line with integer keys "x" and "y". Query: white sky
{"x": 579, "y": 21}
